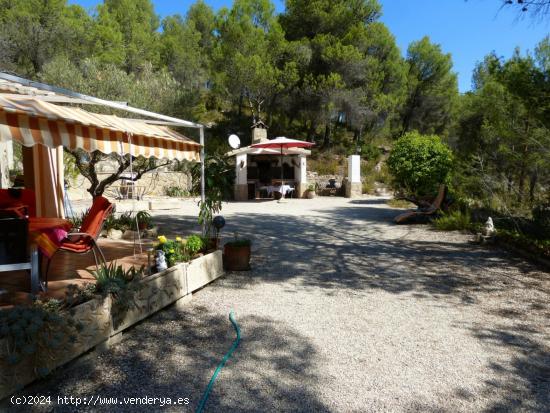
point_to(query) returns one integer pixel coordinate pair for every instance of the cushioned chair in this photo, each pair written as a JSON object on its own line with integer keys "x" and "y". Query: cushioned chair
{"x": 85, "y": 240}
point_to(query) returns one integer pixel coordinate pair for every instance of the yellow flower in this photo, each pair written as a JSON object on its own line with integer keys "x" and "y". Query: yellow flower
{"x": 162, "y": 239}
{"x": 178, "y": 239}
{"x": 172, "y": 251}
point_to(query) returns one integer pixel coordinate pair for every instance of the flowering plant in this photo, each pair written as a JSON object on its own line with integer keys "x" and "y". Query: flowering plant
{"x": 174, "y": 250}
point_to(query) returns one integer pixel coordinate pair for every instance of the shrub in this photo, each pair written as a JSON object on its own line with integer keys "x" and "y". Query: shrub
{"x": 194, "y": 244}
{"x": 454, "y": 220}
{"x": 239, "y": 242}
{"x": 176, "y": 192}
{"x": 537, "y": 247}
{"x": 420, "y": 163}
{"x": 541, "y": 218}
{"x": 325, "y": 166}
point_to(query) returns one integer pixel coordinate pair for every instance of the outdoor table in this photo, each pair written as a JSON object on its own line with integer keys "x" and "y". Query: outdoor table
{"x": 283, "y": 189}
{"x": 45, "y": 237}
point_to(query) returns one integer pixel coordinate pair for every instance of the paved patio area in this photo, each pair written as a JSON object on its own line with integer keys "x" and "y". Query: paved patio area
{"x": 342, "y": 312}
{"x": 70, "y": 269}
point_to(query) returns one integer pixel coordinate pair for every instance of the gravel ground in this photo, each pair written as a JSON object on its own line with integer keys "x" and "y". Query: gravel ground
{"x": 342, "y": 312}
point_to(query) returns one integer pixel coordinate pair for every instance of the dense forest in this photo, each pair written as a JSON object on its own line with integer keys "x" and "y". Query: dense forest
{"x": 327, "y": 71}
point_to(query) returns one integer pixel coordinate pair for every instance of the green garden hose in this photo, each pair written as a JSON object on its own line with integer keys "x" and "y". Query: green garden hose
{"x": 204, "y": 398}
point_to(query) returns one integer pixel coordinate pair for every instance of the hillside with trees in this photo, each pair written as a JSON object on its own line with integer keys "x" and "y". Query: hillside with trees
{"x": 327, "y": 71}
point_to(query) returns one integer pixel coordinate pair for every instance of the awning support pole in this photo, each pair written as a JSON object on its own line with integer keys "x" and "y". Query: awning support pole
{"x": 203, "y": 186}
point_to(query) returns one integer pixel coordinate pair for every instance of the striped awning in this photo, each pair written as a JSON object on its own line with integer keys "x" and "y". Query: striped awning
{"x": 31, "y": 121}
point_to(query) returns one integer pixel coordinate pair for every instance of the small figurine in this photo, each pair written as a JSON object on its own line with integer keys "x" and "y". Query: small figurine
{"x": 489, "y": 228}
{"x": 160, "y": 261}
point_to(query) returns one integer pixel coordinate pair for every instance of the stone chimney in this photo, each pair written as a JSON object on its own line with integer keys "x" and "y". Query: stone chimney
{"x": 259, "y": 132}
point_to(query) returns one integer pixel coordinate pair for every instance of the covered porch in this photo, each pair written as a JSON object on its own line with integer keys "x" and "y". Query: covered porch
{"x": 29, "y": 116}
{"x": 69, "y": 269}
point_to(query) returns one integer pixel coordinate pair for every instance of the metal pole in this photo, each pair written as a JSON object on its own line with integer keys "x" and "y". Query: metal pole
{"x": 203, "y": 190}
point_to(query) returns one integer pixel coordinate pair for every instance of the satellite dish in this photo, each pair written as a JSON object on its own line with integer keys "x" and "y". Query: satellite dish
{"x": 234, "y": 141}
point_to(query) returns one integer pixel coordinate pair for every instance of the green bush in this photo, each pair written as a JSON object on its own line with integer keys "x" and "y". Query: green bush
{"x": 454, "y": 220}
{"x": 420, "y": 163}
{"x": 239, "y": 242}
{"x": 174, "y": 250}
{"x": 194, "y": 244}
{"x": 176, "y": 192}
{"x": 325, "y": 166}
{"x": 537, "y": 247}
{"x": 541, "y": 218}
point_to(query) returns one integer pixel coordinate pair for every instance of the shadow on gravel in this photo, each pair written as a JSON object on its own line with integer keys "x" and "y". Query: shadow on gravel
{"x": 175, "y": 353}
{"x": 348, "y": 250}
{"x": 345, "y": 249}
{"x": 525, "y": 381}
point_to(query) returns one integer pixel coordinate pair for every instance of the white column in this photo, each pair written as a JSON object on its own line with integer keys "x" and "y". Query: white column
{"x": 241, "y": 169}
{"x": 354, "y": 168}
{"x": 353, "y": 184}
{"x": 303, "y": 170}
{"x": 241, "y": 177}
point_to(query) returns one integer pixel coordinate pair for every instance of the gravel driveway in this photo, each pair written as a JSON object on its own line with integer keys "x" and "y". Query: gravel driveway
{"x": 342, "y": 312}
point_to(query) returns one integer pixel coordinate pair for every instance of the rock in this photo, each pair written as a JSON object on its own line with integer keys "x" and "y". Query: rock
{"x": 151, "y": 233}
{"x": 114, "y": 234}
{"x": 130, "y": 235}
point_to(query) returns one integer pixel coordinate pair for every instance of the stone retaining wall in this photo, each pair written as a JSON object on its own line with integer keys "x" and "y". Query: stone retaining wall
{"x": 155, "y": 183}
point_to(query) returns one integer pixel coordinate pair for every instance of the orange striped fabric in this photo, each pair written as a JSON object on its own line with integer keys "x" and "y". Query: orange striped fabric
{"x": 31, "y": 121}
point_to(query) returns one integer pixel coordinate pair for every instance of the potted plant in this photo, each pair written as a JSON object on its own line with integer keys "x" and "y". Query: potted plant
{"x": 236, "y": 254}
{"x": 144, "y": 220}
{"x": 310, "y": 192}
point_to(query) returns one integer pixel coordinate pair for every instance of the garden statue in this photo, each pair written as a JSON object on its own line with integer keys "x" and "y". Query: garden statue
{"x": 489, "y": 228}
{"x": 160, "y": 261}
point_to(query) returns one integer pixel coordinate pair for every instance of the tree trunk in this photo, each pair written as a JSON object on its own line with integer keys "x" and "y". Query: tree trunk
{"x": 326, "y": 138}
{"x": 532, "y": 185}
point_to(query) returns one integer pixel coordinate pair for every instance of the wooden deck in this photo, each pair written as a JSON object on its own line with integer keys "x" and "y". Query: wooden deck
{"x": 67, "y": 269}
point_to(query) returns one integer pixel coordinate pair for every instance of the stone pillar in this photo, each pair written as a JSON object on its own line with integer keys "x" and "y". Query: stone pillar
{"x": 353, "y": 185}
{"x": 241, "y": 178}
{"x": 301, "y": 174}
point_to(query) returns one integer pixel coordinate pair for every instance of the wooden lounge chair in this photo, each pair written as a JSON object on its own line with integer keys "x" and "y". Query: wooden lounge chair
{"x": 423, "y": 212}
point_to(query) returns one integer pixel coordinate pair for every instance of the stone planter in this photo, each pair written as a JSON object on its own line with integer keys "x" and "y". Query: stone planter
{"x": 95, "y": 316}
{"x": 204, "y": 270}
{"x": 154, "y": 293}
{"x": 102, "y": 321}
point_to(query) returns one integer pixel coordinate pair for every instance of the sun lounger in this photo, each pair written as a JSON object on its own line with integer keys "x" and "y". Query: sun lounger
{"x": 423, "y": 212}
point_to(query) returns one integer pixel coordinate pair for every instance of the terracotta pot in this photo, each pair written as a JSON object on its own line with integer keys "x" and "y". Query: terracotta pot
{"x": 236, "y": 258}
{"x": 310, "y": 194}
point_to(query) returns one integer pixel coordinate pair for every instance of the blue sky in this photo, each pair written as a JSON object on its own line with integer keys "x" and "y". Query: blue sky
{"x": 467, "y": 29}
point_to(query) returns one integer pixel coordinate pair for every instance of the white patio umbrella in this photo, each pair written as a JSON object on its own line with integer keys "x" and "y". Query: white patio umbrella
{"x": 282, "y": 143}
